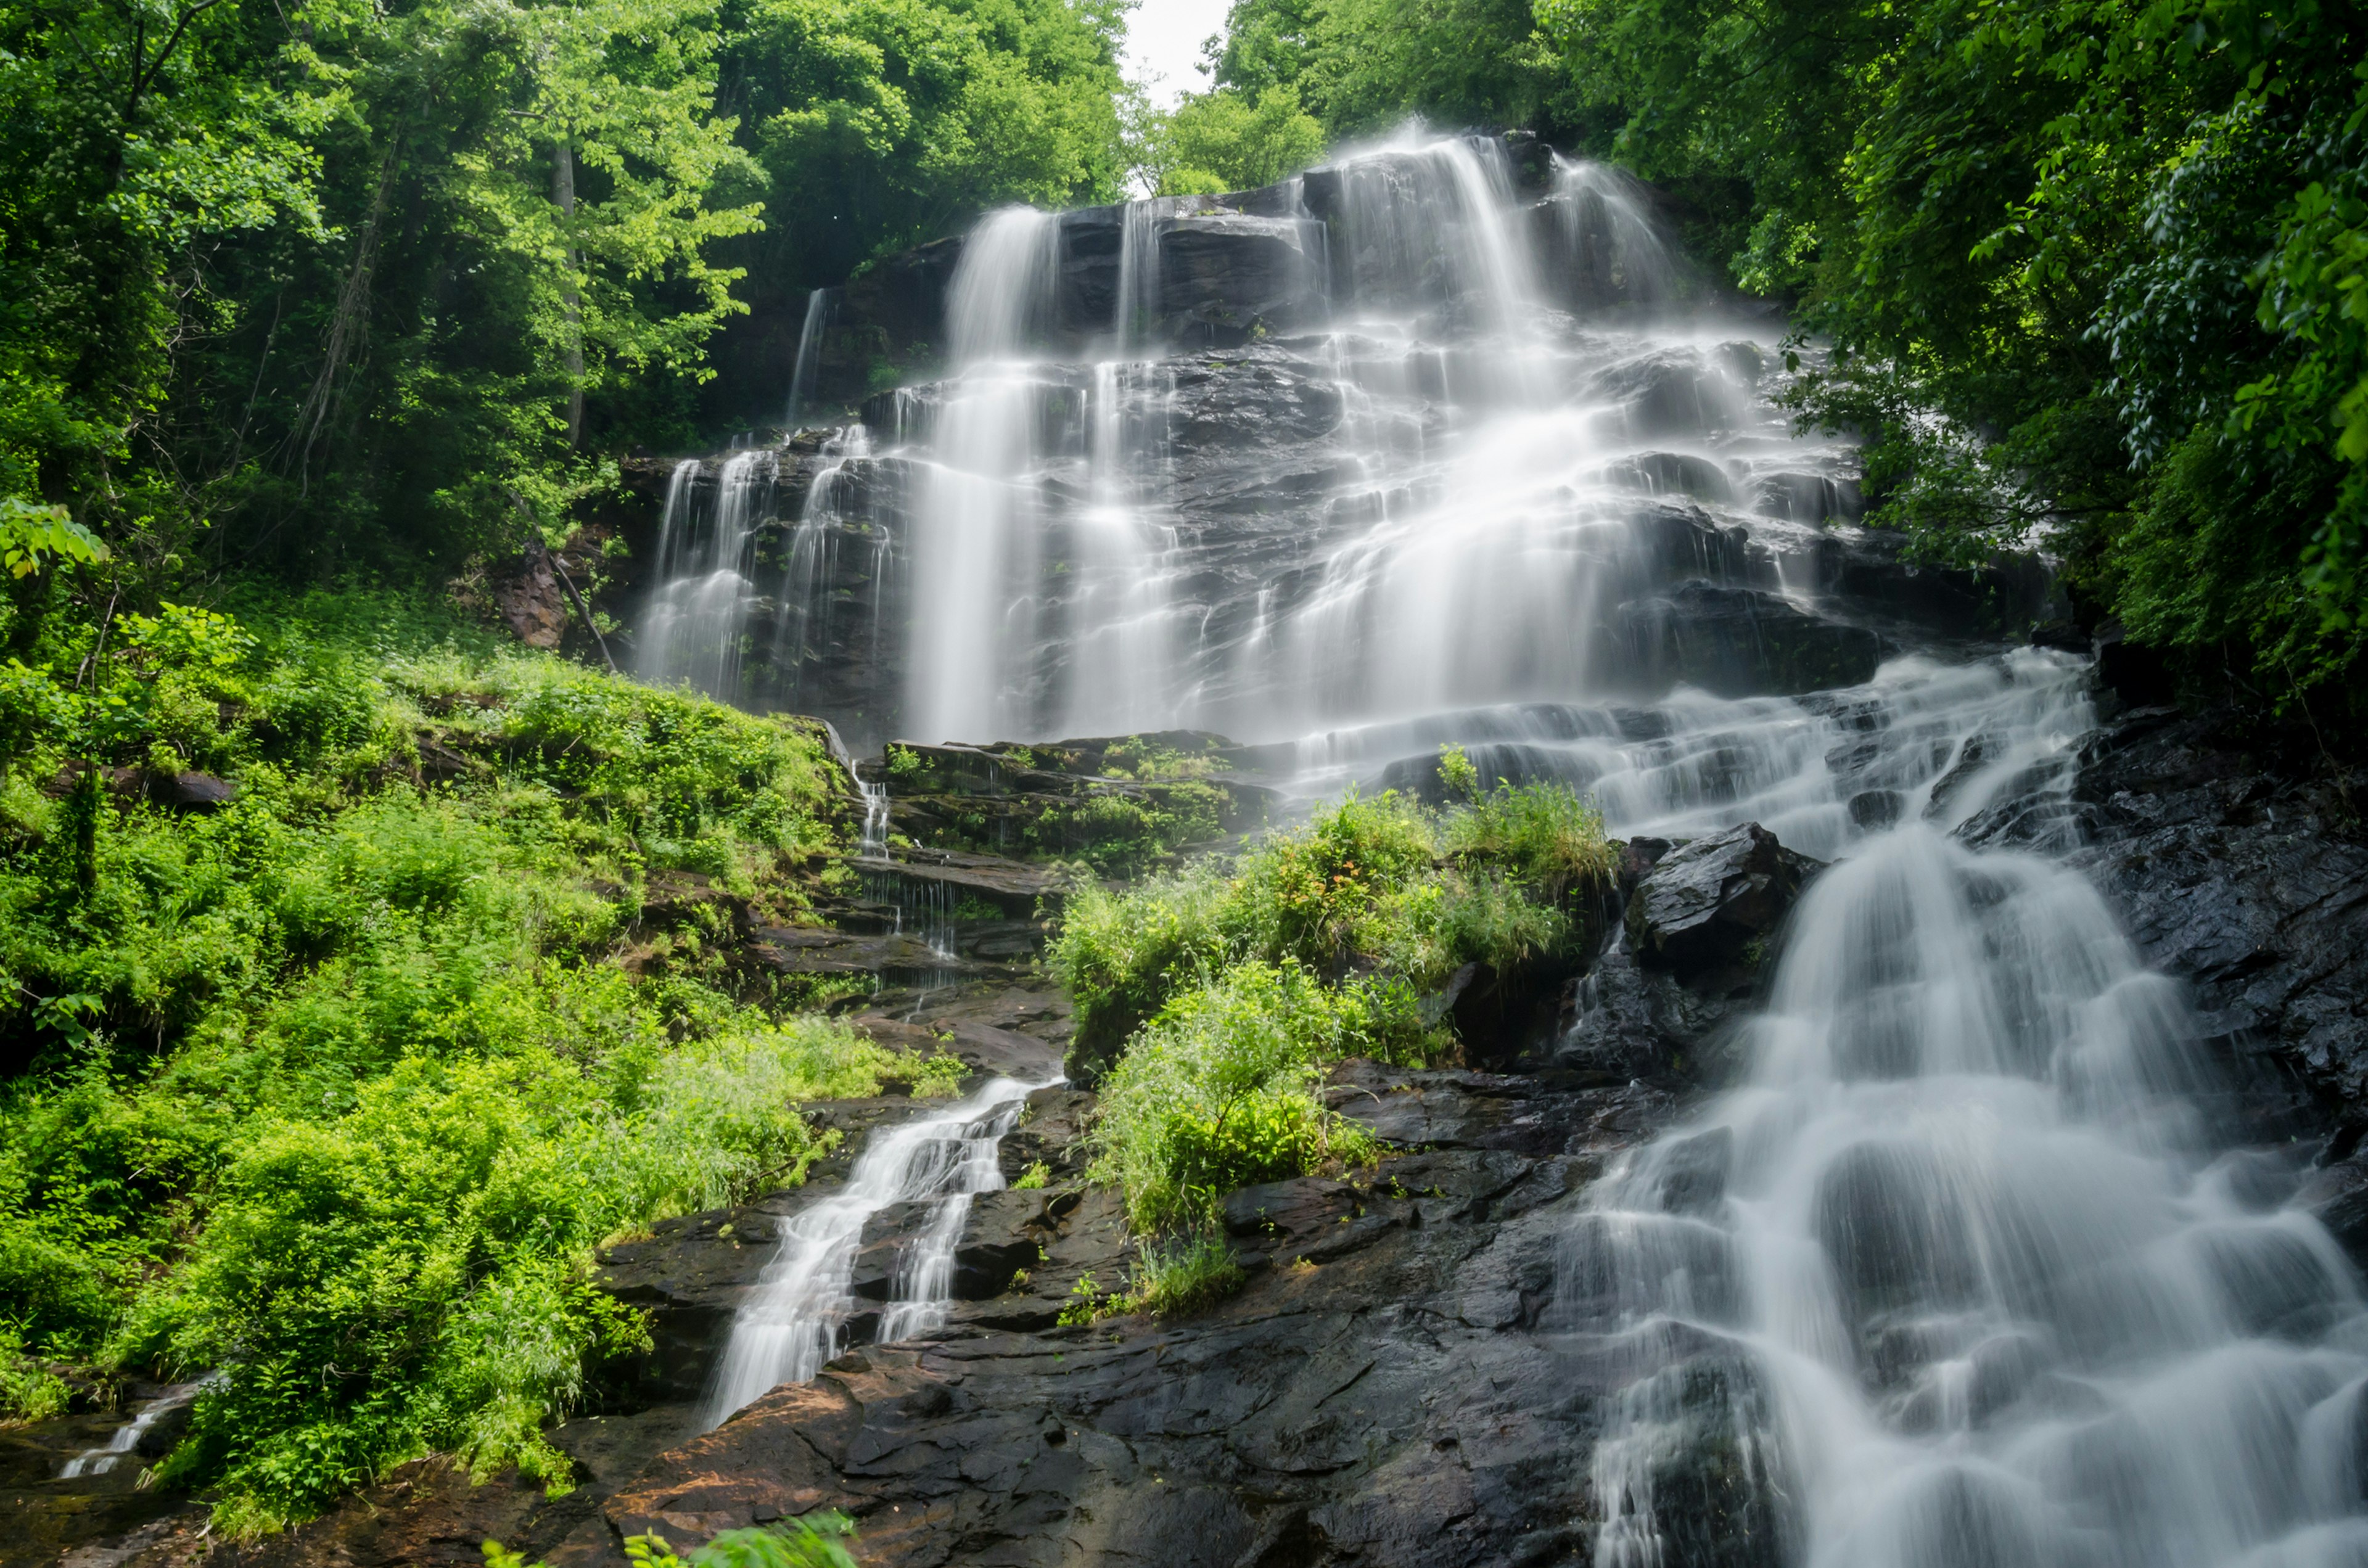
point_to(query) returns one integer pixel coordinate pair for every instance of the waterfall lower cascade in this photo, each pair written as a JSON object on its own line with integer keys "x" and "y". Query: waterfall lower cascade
{"x": 795, "y": 1319}
{"x": 126, "y": 1440}
{"x": 1443, "y": 443}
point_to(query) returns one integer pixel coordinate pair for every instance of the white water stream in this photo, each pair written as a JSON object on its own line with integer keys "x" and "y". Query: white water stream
{"x": 795, "y": 1318}
{"x": 125, "y": 1439}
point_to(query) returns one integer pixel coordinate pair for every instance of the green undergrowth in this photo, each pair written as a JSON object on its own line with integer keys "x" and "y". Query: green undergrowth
{"x": 334, "y": 1089}
{"x": 816, "y": 1541}
{"x": 1213, "y": 998}
{"x": 1170, "y": 1277}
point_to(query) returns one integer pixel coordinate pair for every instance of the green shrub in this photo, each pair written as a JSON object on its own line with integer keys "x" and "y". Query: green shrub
{"x": 335, "y": 1089}
{"x": 427, "y": 1248}
{"x": 1211, "y": 996}
{"x": 1188, "y": 1275}
{"x": 28, "y": 1390}
{"x": 1541, "y": 835}
{"x": 1215, "y": 1093}
{"x": 812, "y": 1541}
{"x": 1119, "y": 955}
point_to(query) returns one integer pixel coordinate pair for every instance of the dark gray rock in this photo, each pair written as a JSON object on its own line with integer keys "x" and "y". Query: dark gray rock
{"x": 2239, "y": 870}
{"x": 1713, "y": 903}
{"x": 1739, "y": 642}
{"x": 1004, "y": 1233}
{"x": 1623, "y": 1020}
{"x": 192, "y": 791}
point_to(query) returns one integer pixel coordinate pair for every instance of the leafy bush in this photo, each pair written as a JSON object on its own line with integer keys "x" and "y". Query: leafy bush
{"x": 1215, "y": 1093}
{"x": 809, "y": 1542}
{"x": 336, "y": 1089}
{"x": 1378, "y": 889}
{"x": 28, "y": 1390}
{"x": 427, "y": 1247}
{"x": 1212, "y": 996}
{"x": 1189, "y": 1276}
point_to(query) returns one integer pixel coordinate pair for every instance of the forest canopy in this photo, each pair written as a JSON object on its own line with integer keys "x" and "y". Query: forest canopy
{"x": 321, "y": 286}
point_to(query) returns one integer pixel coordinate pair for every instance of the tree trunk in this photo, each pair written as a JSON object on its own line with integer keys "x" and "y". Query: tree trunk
{"x": 562, "y": 195}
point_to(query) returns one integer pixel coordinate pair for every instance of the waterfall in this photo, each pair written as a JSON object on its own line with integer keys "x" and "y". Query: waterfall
{"x": 126, "y": 1439}
{"x": 795, "y": 1318}
{"x": 692, "y": 630}
{"x": 804, "y": 369}
{"x": 1958, "y": 1270}
{"x": 1468, "y": 495}
{"x": 1616, "y": 252}
{"x": 975, "y": 527}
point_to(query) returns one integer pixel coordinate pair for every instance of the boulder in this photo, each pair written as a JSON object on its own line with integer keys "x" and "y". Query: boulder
{"x": 1737, "y": 642}
{"x": 1003, "y": 1233}
{"x": 1706, "y": 904}
{"x": 530, "y": 600}
{"x": 192, "y": 791}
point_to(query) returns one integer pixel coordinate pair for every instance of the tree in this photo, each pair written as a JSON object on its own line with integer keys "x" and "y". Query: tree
{"x": 1226, "y": 139}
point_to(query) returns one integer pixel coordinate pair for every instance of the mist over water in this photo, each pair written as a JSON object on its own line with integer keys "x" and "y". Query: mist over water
{"x": 1961, "y": 1275}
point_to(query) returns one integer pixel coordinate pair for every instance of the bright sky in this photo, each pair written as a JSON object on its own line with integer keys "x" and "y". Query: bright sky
{"x": 1163, "y": 45}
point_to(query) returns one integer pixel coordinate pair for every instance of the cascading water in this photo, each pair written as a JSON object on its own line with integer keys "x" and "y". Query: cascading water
{"x": 693, "y": 630}
{"x": 1958, "y": 1276}
{"x": 1953, "y": 1279}
{"x": 102, "y": 1460}
{"x": 803, "y": 370}
{"x": 1472, "y": 495}
{"x": 795, "y": 1319}
{"x": 976, "y": 524}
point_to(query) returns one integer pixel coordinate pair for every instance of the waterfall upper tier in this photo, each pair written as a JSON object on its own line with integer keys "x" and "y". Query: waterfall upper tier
{"x": 1448, "y": 425}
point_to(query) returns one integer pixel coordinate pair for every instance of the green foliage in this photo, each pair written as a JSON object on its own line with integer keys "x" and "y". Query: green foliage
{"x": 336, "y": 1089}
{"x": 1086, "y": 1302}
{"x": 1457, "y": 774}
{"x": 1229, "y": 140}
{"x": 1541, "y": 836}
{"x": 2088, "y": 274}
{"x": 1213, "y": 1095}
{"x": 1378, "y": 893}
{"x": 1033, "y": 1178}
{"x": 28, "y": 1390}
{"x": 812, "y": 1541}
{"x": 895, "y": 118}
{"x": 1221, "y": 992}
{"x": 333, "y": 285}
{"x": 33, "y": 538}
{"x": 1362, "y": 65}
{"x": 1189, "y": 1275}
{"x": 2085, "y": 274}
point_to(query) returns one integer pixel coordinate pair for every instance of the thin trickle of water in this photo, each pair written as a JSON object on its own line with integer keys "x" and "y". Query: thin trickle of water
{"x": 795, "y": 1319}
{"x": 126, "y": 1439}
{"x": 692, "y": 630}
{"x": 804, "y": 369}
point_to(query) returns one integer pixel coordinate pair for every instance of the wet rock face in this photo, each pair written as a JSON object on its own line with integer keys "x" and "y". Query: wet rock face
{"x": 1260, "y": 485}
{"x": 2240, "y": 869}
{"x": 2234, "y": 855}
{"x": 1705, "y": 904}
{"x": 1380, "y": 1391}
